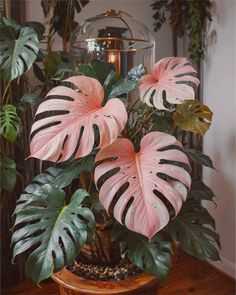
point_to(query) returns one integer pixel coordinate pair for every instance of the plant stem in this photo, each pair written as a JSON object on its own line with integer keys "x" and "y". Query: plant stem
{"x": 141, "y": 124}
{"x": 133, "y": 105}
{"x": 5, "y": 92}
{"x": 65, "y": 37}
{"x": 83, "y": 181}
{"x": 90, "y": 181}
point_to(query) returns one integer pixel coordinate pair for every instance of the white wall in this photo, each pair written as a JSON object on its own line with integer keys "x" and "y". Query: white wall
{"x": 219, "y": 94}
{"x": 138, "y": 9}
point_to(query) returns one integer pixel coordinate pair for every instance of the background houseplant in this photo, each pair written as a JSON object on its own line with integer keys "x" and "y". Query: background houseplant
{"x": 28, "y": 63}
{"x": 188, "y": 20}
{"x": 128, "y": 180}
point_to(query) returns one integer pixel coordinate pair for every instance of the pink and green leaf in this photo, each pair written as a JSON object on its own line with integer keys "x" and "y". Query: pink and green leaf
{"x": 66, "y": 120}
{"x": 133, "y": 192}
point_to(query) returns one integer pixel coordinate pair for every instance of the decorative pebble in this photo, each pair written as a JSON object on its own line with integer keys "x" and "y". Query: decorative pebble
{"x": 123, "y": 270}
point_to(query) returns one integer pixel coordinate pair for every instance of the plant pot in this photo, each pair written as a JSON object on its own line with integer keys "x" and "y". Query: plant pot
{"x": 71, "y": 284}
{"x": 102, "y": 251}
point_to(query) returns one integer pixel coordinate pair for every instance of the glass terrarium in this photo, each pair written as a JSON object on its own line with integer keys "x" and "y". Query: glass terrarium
{"x": 115, "y": 37}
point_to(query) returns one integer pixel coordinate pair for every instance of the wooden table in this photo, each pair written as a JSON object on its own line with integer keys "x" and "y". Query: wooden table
{"x": 187, "y": 277}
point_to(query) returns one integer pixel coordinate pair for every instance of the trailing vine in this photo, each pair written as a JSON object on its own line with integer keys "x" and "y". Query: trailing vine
{"x": 187, "y": 18}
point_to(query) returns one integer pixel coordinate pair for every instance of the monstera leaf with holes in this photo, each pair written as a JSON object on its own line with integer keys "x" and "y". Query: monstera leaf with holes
{"x": 194, "y": 230}
{"x": 58, "y": 177}
{"x": 173, "y": 79}
{"x": 143, "y": 193}
{"x": 55, "y": 230}
{"x": 152, "y": 256}
{"x": 193, "y": 116}
{"x": 65, "y": 121}
{"x": 18, "y": 50}
{"x": 10, "y": 122}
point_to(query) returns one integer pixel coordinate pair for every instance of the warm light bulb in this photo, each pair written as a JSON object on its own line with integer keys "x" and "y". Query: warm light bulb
{"x": 112, "y": 57}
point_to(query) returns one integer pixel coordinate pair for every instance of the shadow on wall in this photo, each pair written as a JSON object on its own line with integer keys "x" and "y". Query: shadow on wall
{"x": 225, "y": 191}
{"x": 220, "y": 143}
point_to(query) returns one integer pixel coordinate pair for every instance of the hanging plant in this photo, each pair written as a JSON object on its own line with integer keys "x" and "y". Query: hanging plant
{"x": 186, "y": 18}
{"x": 63, "y": 19}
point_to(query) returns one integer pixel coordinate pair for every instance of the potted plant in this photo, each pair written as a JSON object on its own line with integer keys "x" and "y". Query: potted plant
{"x": 121, "y": 192}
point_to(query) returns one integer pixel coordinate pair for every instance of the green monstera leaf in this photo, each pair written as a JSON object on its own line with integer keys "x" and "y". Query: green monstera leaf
{"x": 114, "y": 85}
{"x": 18, "y": 50}
{"x": 201, "y": 192}
{"x": 199, "y": 158}
{"x": 54, "y": 229}
{"x": 60, "y": 177}
{"x": 194, "y": 230}
{"x": 193, "y": 116}
{"x": 9, "y": 122}
{"x": 152, "y": 256}
{"x": 95, "y": 69}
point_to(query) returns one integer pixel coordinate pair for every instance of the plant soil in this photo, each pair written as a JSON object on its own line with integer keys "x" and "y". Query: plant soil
{"x": 122, "y": 270}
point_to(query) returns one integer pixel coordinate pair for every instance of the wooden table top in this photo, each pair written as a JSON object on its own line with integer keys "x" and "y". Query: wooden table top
{"x": 187, "y": 277}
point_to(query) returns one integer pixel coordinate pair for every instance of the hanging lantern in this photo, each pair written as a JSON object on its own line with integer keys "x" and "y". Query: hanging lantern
{"x": 115, "y": 37}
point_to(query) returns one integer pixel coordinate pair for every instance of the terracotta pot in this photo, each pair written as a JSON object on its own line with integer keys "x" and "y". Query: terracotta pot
{"x": 71, "y": 284}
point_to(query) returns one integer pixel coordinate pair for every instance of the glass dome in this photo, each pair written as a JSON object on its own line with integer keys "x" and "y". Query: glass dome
{"x": 116, "y": 37}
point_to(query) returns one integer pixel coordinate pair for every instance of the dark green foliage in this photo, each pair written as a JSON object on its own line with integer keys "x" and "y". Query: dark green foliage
{"x": 31, "y": 97}
{"x": 18, "y": 50}
{"x": 39, "y": 73}
{"x": 54, "y": 229}
{"x": 67, "y": 175}
{"x": 152, "y": 256}
{"x": 60, "y": 177}
{"x": 194, "y": 230}
{"x": 93, "y": 202}
{"x": 39, "y": 29}
{"x": 10, "y": 122}
{"x": 113, "y": 84}
{"x": 122, "y": 87}
{"x": 62, "y": 70}
{"x": 199, "y": 158}
{"x": 8, "y": 174}
{"x": 201, "y": 192}
{"x": 111, "y": 80}
{"x": 95, "y": 69}
{"x": 162, "y": 121}
{"x": 64, "y": 14}
{"x": 160, "y": 7}
{"x": 11, "y": 23}
{"x": 51, "y": 63}
{"x": 185, "y": 17}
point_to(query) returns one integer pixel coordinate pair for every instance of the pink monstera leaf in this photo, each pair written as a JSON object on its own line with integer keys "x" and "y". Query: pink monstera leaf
{"x": 136, "y": 193}
{"x": 65, "y": 122}
{"x": 173, "y": 78}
